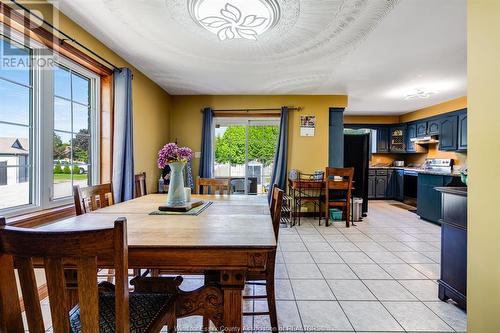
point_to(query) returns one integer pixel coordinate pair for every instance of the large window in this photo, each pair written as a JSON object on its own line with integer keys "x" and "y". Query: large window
{"x": 244, "y": 152}
{"x": 48, "y": 127}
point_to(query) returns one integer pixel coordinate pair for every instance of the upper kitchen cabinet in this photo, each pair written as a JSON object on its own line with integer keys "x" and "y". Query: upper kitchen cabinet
{"x": 448, "y": 133}
{"x": 421, "y": 128}
{"x": 382, "y": 140}
{"x": 462, "y": 131}
{"x": 397, "y": 136}
{"x": 411, "y": 133}
{"x": 433, "y": 126}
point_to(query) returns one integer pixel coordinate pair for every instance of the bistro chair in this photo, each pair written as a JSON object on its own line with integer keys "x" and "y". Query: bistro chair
{"x": 338, "y": 192}
{"x": 213, "y": 185}
{"x": 307, "y": 189}
{"x": 108, "y": 309}
{"x": 140, "y": 188}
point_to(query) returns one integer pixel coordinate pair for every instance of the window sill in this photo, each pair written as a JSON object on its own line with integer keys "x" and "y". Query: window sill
{"x": 42, "y": 217}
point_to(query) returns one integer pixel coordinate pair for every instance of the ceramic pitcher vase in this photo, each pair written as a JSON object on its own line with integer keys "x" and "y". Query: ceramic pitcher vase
{"x": 176, "y": 194}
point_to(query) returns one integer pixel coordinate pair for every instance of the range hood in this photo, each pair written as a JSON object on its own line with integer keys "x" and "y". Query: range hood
{"x": 425, "y": 140}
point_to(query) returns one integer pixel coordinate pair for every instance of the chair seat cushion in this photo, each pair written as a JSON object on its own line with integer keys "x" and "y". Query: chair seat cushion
{"x": 144, "y": 309}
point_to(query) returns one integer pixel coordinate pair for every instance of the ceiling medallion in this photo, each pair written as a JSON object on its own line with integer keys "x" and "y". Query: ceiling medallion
{"x": 235, "y": 19}
{"x": 420, "y": 94}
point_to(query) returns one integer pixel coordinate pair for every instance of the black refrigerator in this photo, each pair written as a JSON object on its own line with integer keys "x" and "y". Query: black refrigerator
{"x": 357, "y": 155}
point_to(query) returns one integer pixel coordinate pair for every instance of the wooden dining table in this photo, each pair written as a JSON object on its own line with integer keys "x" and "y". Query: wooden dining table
{"x": 231, "y": 237}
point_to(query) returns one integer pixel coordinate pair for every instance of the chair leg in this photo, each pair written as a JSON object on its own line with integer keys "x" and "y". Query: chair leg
{"x": 172, "y": 324}
{"x": 206, "y": 325}
{"x": 320, "y": 213}
{"x": 271, "y": 304}
{"x": 347, "y": 216}
{"x": 327, "y": 215}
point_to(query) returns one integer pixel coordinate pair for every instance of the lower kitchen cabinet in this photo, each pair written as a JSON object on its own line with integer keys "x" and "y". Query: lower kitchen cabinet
{"x": 371, "y": 186}
{"x": 428, "y": 199}
{"x": 453, "y": 281}
{"x": 385, "y": 184}
{"x": 397, "y": 186}
{"x": 381, "y": 187}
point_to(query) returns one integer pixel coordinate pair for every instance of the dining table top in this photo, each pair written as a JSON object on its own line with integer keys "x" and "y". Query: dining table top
{"x": 231, "y": 221}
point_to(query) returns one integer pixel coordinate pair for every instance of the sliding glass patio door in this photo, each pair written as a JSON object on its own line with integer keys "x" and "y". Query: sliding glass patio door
{"x": 244, "y": 151}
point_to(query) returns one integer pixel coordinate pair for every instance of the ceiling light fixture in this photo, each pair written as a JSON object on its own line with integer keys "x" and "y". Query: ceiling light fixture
{"x": 420, "y": 94}
{"x": 235, "y": 19}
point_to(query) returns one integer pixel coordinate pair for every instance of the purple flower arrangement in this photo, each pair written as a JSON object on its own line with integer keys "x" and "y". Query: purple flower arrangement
{"x": 173, "y": 153}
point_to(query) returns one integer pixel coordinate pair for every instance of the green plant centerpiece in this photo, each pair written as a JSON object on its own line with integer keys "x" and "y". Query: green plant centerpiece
{"x": 176, "y": 157}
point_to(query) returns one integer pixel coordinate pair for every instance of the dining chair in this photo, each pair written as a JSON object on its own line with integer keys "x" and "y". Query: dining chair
{"x": 213, "y": 185}
{"x": 338, "y": 192}
{"x": 263, "y": 278}
{"x": 266, "y": 277}
{"x": 140, "y": 188}
{"x": 92, "y": 198}
{"x": 108, "y": 309}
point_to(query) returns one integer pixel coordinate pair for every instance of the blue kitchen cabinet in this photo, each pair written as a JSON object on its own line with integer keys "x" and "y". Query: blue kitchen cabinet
{"x": 382, "y": 140}
{"x": 421, "y": 128}
{"x": 433, "y": 126}
{"x": 462, "y": 131}
{"x": 411, "y": 133}
{"x": 428, "y": 199}
{"x": 398, "y": 184}
{"x": 398, "y": 139}
{"x": 448, "y": 133}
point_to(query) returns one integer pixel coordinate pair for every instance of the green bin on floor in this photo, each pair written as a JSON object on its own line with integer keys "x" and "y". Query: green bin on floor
{"x": 335, "y": 214}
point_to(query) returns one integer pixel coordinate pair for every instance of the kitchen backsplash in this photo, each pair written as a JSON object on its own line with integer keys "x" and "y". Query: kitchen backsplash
{"x": 459, "y": 159}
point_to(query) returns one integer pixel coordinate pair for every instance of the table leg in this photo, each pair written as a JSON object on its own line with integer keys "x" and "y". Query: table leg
{"x": 232, "y": 284}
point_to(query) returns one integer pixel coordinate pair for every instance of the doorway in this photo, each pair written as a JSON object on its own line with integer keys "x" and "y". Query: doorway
{"x": 244, "y": 151}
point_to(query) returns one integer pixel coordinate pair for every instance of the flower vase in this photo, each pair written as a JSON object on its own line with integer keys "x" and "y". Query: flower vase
{"x": 176, "y": 194}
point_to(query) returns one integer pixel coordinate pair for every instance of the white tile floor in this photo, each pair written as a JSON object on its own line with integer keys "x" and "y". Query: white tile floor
{"x": 379, "y": 276}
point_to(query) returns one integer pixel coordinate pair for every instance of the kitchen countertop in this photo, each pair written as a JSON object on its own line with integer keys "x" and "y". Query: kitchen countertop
{"x": 419, "y": 170}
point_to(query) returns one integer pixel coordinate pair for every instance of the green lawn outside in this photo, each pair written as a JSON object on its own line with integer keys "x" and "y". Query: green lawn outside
{"x": 67, "y": 177}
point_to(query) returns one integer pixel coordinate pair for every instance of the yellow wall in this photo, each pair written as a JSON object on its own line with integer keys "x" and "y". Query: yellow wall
{"x": 483, "y": 287}
{"x": 448, "y": 106}
{"x": 151, "y": 103}
{"x": 305, "y": 153}
{"x": 371, "y": 119}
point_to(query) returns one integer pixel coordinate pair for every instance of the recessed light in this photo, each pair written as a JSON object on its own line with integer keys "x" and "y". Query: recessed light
{"x": 235, "y": 19}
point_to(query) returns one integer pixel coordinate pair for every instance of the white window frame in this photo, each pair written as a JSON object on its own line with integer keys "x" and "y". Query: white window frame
{"x": 241, "y": 121}
{"x": 41, "y": 176}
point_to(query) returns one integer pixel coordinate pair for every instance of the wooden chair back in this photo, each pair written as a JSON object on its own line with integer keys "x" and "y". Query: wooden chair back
{"x": 276, "y": 205}
{"x": 80, "y": 249}
{"x": 273, "y": 200}
{"x": 213, "y": 185}
{"x": 140, "y": 185}
{"x": 346, "y": 176}
{"x": 88, "y": 199}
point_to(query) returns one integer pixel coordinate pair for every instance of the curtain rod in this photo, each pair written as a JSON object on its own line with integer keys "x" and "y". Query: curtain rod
{"x": 71, "y": 39}
{"x": 249, "y": 110}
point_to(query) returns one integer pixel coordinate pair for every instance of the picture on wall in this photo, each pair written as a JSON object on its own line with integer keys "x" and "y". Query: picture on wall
{"x": 307, "y": 125}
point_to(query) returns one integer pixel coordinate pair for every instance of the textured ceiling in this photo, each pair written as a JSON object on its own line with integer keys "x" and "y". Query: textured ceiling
{"x": 376, "y": 51}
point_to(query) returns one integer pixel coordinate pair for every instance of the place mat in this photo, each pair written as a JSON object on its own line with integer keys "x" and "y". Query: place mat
{"x": 195, "y": 211}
